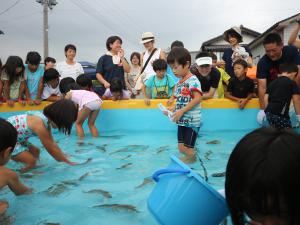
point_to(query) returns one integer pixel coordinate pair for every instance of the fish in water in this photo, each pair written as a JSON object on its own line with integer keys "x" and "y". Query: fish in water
{"x": 81, "y": 151}
{"x": 104, "y": 193}
{"x": 86, "y": 162}
{"x": 147, "y": 180}
{"x": 56, "y": 190}
{"x": 118, "y": 207}
{"x": 131, "y": 148}
{"x": 101, "y": 148}
{"x": 70, "y": 182}
{"x": 213, "y": 142}
{"x": 83, "y": 176}
{"x": 45, "y": 222}
{"x": 27, "y": 175}
{"x": 80, "y": 143}
{"x": 127, "y": 157}
{"x": 90, "y": 143}
{"x": 124, "y": 166}
{"x": 112, "y": 136}
{"x": 162, "y": 149}
{"x": 207, "y": 154}
{"x": 219, "y": 174}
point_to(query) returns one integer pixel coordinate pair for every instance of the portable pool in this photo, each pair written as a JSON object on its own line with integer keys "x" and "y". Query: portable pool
{"x": 113, "y": 186}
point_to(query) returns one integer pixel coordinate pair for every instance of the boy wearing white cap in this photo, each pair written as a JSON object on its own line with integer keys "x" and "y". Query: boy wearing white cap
{"x": 208, "y": 76}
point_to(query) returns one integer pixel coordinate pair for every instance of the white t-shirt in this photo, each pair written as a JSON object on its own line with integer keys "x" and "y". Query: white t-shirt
{"x": 66, "y": 70}
{"x": 48, "y": 91}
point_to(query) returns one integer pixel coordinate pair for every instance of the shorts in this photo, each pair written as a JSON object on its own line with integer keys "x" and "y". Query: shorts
{"x": 187, "y": 136}
{"x": 94, "y": 105}
{"x": 21, "y": 147}
{"x": 278, "y": 121}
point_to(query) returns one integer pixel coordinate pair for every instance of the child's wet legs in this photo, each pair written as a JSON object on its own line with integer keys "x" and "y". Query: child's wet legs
{"x": 92, "y": 118}
{"x": 82, "y": 115}
{"x": 26, "y": 158}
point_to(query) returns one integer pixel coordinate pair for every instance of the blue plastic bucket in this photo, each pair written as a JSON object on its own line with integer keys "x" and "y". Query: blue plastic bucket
{"x": 182, "y": 197}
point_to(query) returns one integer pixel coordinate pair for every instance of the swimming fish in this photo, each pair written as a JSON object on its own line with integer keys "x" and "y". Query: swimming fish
{"x": 162, "y": 149}
{"x": 51, "y": 223}
{"x": 124, "y": 166}
{"x": 81, "y": 151}
{"x": 80, "y": 143}
{"x": 127, "y": 157}
{"x": 146, "y": 181}
{"x": 118, "y": 207}
{"x": 86, "y": 162}
{"x": 101, "y": 148}
{"x": 70, "y": 182}
{"x": 90, "y": 143}
{"x": 56, "y": 190}
{"x": 219, "y": 174}
{"x": 83, "y": 176}
{"x": 131, "y": 148}
{"x": 27, "y": 175}
{"x": 45, "y": 222}
{"x": 105, "y": 194}
{"x": 112, "y": 136}
{"x": 207, "y": 154}
{"x": 213, "y": 142}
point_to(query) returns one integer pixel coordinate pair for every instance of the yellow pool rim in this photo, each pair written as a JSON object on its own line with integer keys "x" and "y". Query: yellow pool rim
{"x": 137, "y": 104}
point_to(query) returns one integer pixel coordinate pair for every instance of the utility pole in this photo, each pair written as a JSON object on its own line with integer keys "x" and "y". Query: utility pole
{"x": 46, "y": 4}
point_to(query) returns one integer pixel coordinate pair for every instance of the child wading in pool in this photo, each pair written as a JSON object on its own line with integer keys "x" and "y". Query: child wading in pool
{"x": 8, "y": 137}
{"x": 89, "y": 106}
{"x": 188, "y": 93}
{"x": 61, "y": 114}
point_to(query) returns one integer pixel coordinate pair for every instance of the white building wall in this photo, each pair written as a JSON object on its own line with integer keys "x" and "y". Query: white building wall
{"x": 287, "y": 32}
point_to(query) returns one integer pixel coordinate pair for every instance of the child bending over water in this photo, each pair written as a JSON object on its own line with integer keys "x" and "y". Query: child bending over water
{"x": 60, "y": 115}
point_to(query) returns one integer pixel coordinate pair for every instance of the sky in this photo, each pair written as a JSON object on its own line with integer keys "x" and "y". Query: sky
{"x": 88, "y": 23}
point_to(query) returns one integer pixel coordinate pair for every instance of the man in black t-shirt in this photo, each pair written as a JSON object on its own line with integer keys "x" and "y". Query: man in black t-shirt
{"x": 240, "y": 87}
{"x": 208, "y": 76}
{"x": 278, "y": 97}
{"x": 268, "y": 65}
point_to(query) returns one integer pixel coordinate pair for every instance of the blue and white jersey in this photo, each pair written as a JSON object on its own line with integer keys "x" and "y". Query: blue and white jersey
{"x": 184, "y": 94}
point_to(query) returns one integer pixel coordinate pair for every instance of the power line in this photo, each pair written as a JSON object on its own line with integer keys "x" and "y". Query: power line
{"x": 10, "y": 7}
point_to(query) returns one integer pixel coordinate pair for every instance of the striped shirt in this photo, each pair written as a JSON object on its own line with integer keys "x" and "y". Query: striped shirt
{"x": 184, "y": 94}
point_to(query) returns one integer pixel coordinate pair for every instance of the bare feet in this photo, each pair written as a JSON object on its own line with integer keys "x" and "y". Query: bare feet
{"x": 189, "y": 158}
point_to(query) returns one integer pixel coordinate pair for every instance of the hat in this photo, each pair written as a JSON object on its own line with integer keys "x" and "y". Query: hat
{"x": 147, "y": 37}
{"x": 204, "y": 61}
{"x": 235, "y": 30}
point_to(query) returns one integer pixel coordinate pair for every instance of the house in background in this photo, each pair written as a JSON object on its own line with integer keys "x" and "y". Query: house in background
{"x": 283, "y": 28}
{"x": 218, "y": 44}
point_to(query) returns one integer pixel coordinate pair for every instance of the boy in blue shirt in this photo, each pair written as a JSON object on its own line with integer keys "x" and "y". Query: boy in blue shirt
{"x": 187, "y": 112}
{"x": 34, "y": 77}
{"x": 161, "y": 85}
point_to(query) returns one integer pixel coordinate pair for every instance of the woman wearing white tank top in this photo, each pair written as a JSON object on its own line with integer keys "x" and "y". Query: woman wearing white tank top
{"x": 148, "y": 41}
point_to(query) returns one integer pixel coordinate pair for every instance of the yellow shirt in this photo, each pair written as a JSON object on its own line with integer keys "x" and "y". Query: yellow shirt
{"x": 223, "y": 79}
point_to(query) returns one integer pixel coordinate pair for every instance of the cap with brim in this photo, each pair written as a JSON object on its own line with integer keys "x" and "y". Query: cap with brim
{"x": 235, "y": 30}
{"x": 147, "y": 37}
{"x": 204, "y": 61}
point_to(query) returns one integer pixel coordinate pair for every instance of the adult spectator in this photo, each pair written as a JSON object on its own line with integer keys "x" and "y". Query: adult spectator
{"x": 293, "y": 38}
{"x": 234, "y": 37}
{"x": 268, "y": 66}
{"x": 135, "y": 69}
{"x": 148, "y": 41}
{"x": 208, "y": 75}
{"x": 69, "y": 67}
{"x": 112, "y": 64}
